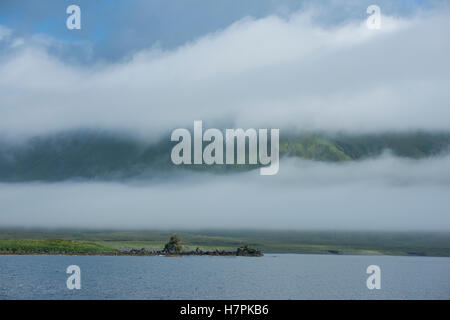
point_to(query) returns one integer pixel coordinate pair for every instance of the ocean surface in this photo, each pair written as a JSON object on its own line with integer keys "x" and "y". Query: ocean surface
{"x": 274, "y": 276}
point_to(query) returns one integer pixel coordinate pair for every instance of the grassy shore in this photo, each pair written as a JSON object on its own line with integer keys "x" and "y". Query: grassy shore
{"x": 52, "y": 246}
{"x": 324, "y": 242}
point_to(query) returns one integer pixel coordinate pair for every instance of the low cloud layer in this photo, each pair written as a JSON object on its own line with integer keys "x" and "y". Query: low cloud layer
{"x": 271, "y": 72}
{"x": 282, "y": 71}
{"x": 379, "y": 194}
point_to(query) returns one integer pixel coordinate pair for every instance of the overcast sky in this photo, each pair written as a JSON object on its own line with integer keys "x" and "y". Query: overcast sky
{"x": 115, "y": 29}
{"x": 285, "y": 70}
{"x": 149, "y": 67}
{"x": 379, "y": 194}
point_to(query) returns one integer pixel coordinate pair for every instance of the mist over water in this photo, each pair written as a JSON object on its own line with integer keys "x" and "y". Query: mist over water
{"x": 385, "y": 193}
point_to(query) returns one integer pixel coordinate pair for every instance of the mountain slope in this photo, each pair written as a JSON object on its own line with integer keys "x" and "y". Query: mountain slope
{"x": 100, "y": 155}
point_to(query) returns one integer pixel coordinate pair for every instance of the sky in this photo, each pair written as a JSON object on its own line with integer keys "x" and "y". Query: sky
{"x": 257, "y": 69}
{"x": 149, "y": 67}
{"x": 115, "y": 29}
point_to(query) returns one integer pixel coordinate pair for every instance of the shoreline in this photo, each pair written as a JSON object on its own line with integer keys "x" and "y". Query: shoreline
{"x": 137, "y": 243}
{"x": 210, "y": 254}
{"x": 113, "y": 254}
{"x": 137, "y": 253}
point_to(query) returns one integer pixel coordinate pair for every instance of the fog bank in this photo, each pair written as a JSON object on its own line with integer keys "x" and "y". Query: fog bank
{"x": 380, "y": 194}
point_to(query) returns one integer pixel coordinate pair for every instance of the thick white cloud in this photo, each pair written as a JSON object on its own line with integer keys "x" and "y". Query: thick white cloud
{"x": 380, "y": 194}
{"x": 270, "y": 72}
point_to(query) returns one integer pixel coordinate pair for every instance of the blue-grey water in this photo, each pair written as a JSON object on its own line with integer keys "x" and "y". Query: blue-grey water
{"x": 274, "y": 276}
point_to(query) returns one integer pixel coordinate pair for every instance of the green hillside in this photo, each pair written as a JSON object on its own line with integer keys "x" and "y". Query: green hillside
{"x": 313, "y": 148}
{"x": 350, "y": 242}
{"x": 52, "y": 245}
{"x": 102, "y": 155}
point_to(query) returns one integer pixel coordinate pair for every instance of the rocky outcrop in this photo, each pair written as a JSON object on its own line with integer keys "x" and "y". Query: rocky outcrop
{"x": 170, "y": 251}
{"x": 249, "y": 252}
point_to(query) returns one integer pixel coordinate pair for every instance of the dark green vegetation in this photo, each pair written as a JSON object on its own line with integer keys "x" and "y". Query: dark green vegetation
{"x": 101, "y": 155}
{"x": 341, "y": 147}
{"x": 174, "y": 245}
{"x": 327, "y": 242}
{"x": 246, "y": 251}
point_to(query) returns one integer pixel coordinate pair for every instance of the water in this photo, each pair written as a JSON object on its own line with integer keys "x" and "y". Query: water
{"x": 274, "y": 276}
